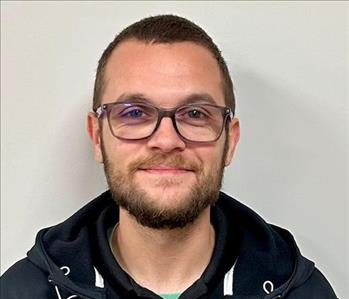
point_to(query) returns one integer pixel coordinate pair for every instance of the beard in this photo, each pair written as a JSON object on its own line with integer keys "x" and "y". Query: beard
{"x": 145, "y": 209}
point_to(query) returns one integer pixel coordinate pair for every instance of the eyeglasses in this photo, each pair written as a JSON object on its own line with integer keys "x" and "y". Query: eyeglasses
{"x": 201, "y": 122}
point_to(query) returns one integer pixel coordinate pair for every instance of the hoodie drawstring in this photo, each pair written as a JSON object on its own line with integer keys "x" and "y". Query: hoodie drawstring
{"x": 99, "y": 282}
{"x": 66, "y": 271}
{"x": 228, "y": 282}
{"x": 268, "y": 287}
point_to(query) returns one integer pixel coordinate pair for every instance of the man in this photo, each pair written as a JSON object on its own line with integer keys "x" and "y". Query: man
{"x": 163, "y": 126}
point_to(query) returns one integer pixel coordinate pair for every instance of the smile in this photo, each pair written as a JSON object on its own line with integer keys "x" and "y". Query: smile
{"x": 165, "y": 170}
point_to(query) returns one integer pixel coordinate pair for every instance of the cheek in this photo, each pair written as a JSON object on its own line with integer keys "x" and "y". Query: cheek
{"x": 111, "y": 148}
{"x": 120, "y": 153}
{"x": 211, "y": 157}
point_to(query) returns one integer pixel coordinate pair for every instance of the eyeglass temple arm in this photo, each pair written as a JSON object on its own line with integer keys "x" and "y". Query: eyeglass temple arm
{"x": 229, "y": 113}
{"x": 99, "y": 111}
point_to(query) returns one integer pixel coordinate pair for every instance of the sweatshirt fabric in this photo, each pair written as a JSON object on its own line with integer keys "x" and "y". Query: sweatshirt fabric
{"x": 251, "y": 260}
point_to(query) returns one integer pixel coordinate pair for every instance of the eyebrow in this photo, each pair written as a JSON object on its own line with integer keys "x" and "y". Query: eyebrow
{"x": 194, "y": 98}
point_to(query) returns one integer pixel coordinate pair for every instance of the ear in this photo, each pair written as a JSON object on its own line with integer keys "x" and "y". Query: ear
{"x": 234, "y": 137}
{"x": 95, "y": 135}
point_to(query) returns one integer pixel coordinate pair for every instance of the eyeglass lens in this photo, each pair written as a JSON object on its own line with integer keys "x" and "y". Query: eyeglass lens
{"x": 201, "y": 122}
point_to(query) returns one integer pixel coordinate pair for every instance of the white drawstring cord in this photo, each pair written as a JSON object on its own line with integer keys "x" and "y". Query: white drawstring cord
{"x": 228, "y": 282}
{"x": 66, "y": 271}
{"x": 60, "y": 297}
{"x": 270, "y": 287}
{"x": 99, "y": 281}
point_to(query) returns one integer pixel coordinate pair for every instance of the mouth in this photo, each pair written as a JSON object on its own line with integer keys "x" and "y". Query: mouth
{"x": 166, "y": 170}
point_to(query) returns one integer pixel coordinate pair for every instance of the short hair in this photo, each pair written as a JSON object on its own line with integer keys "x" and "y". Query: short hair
{"x": 165, "y": 29}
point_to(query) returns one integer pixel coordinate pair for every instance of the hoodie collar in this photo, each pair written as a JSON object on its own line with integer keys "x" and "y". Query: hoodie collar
{"x": 222, "y": 259}
{"x": 81, "y": 244}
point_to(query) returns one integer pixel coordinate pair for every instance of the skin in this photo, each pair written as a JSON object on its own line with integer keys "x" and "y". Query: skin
{"x": 166, "y": 74}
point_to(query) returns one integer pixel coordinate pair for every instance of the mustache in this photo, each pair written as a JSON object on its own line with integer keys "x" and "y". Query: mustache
{"x": 176, "y": 161}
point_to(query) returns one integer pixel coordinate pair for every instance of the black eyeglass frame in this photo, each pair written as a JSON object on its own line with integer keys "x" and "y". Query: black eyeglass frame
{"x": 105, "y": 109}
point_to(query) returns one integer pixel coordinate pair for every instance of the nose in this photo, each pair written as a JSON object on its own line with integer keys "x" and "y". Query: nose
{"x": 166, "y": 139}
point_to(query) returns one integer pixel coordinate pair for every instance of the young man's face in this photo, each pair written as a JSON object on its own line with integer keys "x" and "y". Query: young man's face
{"x": 163, "y": 181}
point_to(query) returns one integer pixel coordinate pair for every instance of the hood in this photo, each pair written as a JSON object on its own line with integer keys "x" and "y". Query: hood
{"x": 269, "y": 262}
{"x": 65, "y": 253}
{"x": 302, "y": 268}
{"x": 68, "y": 253}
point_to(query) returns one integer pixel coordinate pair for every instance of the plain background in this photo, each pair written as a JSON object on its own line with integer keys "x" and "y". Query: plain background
{"x": 289, "y": 62}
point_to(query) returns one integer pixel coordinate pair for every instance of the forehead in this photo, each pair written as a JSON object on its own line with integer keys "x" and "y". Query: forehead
{"x": 162, "y": 72}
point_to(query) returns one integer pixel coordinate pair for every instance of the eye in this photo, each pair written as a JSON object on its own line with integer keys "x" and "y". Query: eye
{"x": 195, "y": 113}
{"x": 133, "y": 113}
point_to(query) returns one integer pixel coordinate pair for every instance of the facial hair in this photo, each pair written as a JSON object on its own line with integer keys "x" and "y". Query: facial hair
{"x": 145, "y": 209}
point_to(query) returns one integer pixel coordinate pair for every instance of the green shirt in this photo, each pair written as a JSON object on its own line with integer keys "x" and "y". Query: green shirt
{"x": 170, "y": 296}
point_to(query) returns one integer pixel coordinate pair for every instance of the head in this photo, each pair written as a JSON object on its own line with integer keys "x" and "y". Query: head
{"x": 163, "y": 181}
{"x": 164, "y": 29}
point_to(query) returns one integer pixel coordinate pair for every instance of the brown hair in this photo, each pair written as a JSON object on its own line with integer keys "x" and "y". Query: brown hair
{"x": 164, "y": 29}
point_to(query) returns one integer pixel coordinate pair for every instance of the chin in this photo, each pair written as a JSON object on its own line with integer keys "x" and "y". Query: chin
{"x": 168, "y": 194}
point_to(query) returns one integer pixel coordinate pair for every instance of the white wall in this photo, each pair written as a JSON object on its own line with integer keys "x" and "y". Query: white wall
{"x": 289, "y": 61}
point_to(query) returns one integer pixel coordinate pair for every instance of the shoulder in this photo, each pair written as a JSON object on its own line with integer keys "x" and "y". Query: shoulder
{"x": 24, "y": 280}
{"x": 315, "y": 287}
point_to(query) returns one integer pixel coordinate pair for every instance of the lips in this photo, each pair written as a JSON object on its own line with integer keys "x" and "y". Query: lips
{"x": 166, "y": 170}
{"x": 164, "y": 165}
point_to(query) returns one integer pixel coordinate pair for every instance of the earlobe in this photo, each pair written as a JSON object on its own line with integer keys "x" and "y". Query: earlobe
{"x": 94, "y": 134}
{"x": 234, "y": 137}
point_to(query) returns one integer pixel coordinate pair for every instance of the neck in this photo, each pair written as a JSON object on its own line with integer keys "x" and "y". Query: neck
{"x": 164, "y": 261}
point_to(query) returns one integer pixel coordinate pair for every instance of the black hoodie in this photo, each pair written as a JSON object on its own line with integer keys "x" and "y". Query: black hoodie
{"x": 251, "y": 260}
